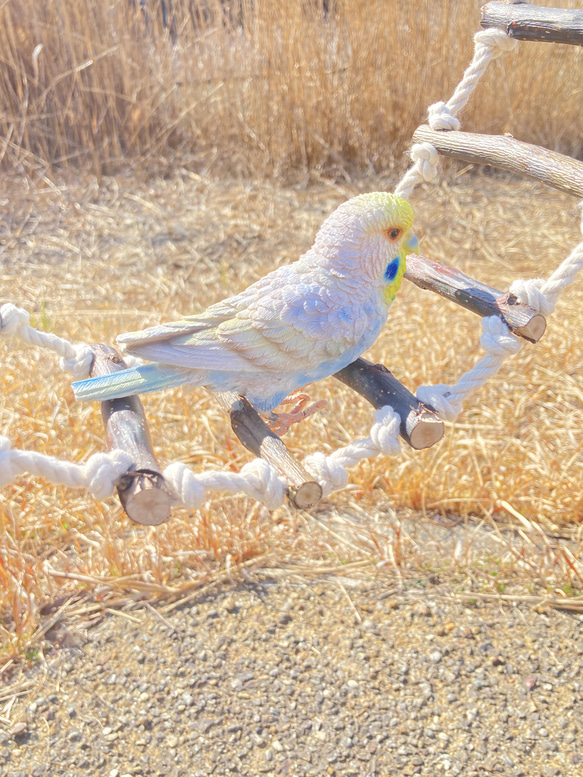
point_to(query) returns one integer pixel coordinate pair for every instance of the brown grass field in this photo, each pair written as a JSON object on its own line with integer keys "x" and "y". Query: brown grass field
{"x": 228, "y": 115}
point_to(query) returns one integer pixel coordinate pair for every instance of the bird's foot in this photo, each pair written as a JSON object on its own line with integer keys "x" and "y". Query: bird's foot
{"x": 280, "y": 423}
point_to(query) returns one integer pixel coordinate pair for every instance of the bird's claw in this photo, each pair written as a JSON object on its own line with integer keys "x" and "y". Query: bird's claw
{"x": 280, "y": 423}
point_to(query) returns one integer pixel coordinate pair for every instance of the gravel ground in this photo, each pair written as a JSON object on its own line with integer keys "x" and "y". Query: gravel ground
{"x": 335, "y": 677}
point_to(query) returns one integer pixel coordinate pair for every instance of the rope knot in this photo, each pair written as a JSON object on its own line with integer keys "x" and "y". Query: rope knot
{"x": 496, "y": 337}
{"x": 441, "y": 118}
{"x": 328, "y": 472}
{"x": 264, "y": 483}
{"x": 185, "y": 483}
{"x": 441, "y": 399}
{"x": 12, "y": 320}
{"x": 529, "y": 292}
{"x": 78, "y": 364}
{"x": 103, "y": 470}
{"x": 497, "y": 40}
{"x": 427, "y": 159}
{"x": 385, "y": 431}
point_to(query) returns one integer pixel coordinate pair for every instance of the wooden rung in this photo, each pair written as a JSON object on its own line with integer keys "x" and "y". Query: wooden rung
{"x": 454, "y": 285}
{"x": 556, "y": 170}
{"x": 421, "y": 427}
{"x": 530, "y": 22}
{"x": 144, "y": 494}
{"x": 257, "y": 437}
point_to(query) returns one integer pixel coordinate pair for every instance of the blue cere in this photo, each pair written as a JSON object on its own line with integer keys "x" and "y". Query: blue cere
{"x": 392, "y": 270}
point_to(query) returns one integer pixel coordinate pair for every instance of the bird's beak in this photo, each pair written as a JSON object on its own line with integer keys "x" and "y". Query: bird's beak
{"x": 410, "y": 243}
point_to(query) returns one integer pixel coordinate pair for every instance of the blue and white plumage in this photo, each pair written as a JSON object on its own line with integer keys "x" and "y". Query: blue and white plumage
{"x": 296, "y": 325}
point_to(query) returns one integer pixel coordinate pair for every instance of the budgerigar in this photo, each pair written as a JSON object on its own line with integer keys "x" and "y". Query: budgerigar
{"x": 298, "y": 324}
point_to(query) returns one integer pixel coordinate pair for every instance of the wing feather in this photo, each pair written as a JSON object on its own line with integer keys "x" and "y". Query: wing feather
{"x": 292, "y": 319}
{"x": 212, "y": 316}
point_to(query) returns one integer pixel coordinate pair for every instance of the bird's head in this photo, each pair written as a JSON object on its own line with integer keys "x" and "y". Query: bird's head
{"x": 368, "y": 238}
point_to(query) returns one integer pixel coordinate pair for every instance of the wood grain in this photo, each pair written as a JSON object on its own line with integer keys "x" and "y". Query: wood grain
{"x": 451, "y": 283}
{"x": 531, "y": 22}
{"x": 555, "y": 170}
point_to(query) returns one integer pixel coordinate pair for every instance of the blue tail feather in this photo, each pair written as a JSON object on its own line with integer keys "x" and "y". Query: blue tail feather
{"x": 135, "y": 380}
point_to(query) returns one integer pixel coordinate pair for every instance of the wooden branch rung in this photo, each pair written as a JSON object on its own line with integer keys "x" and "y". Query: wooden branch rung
{"x": 531, "y": 22}
{"x": 473, "y": 295}
{"x": 144, "y": 494}
{"x": 257, "y": 437}
{"x": 556, "y": 170}
{"x": 421, "y": 427}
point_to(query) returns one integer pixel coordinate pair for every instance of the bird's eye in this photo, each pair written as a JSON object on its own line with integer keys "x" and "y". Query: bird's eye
{"x": 394, "y": 233}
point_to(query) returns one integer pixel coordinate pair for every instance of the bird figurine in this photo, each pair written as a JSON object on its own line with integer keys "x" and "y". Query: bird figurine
{"x": 298, "y": 324}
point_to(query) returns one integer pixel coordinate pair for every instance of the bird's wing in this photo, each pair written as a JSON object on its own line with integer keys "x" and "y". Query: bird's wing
{"x": 285, "y": 322}
{"x": 208, "y": 319}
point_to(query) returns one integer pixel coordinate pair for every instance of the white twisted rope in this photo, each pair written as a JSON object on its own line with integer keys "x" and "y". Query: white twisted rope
{"x": 259, "y": 479}
{"x": 75, "y": 359}
{"x": 542, "y": 295}
{"x": 331, "y": 471}
{"x": 98, "y": 475}
{"x": 488, "y": 45}
{"x": 499, "y": 343}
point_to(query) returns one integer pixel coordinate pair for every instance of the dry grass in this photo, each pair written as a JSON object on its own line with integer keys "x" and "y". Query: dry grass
{"x": 274, "y": 89}
{"x": 91, "y": 262}
{"x": 261, "y": 87}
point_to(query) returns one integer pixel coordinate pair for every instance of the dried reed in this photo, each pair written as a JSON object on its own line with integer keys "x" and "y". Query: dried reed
{"x": 260, "y": 87}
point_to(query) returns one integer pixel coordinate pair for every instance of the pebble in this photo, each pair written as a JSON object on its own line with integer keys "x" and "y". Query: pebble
{"x": 229, "y": 604}
{"x": 549, "y": 746}
{"x": 530, "y": 683}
